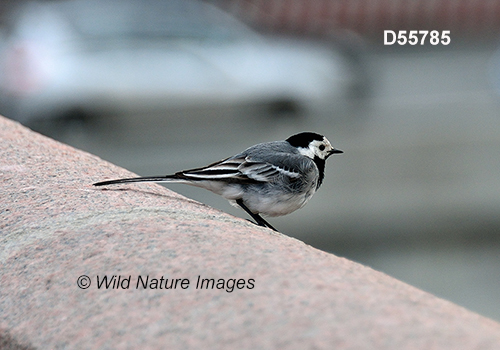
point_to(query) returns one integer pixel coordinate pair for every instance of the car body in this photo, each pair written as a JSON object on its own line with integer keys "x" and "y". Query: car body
{"x": 128, "y": 56}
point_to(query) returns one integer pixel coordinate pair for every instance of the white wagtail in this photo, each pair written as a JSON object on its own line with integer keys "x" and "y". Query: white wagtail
{"x": 271, "y": 178}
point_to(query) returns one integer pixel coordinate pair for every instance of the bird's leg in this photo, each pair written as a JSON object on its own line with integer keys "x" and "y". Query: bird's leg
{"x": 260, "y": 221}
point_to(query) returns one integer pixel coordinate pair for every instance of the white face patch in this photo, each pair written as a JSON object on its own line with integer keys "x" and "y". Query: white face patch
{"x": 320, "y": 149}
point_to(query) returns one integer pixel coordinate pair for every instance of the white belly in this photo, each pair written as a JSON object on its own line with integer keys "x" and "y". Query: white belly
{"x": 260, "y": 200}
{"x": 276, "y": 206}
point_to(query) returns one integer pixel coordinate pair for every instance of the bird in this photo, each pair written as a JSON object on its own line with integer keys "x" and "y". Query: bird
{"x": 271, "y": 178}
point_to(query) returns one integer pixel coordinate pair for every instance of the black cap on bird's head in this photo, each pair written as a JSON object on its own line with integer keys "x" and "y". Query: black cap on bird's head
{"x": 304, "y": 139}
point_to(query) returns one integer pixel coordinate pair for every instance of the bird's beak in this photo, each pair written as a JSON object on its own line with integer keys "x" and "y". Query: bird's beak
{"x": 335, "y": 151}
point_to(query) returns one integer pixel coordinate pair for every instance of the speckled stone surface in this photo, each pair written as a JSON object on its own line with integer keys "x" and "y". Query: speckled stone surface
{"x": 56, "y": 227}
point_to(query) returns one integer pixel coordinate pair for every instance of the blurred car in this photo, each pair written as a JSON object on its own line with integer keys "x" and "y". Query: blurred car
{"x": 90, "y": 57}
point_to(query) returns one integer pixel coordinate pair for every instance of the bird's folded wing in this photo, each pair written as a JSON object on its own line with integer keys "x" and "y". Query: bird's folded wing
{"x": 241, "y": 169}
{"x": 266, "y": 172}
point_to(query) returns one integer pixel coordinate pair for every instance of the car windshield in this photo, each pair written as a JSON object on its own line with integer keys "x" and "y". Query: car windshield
{"x": 151, "y": 18}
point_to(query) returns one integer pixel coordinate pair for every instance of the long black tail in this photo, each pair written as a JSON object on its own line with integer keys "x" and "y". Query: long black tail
{"x": 139, "y": 179}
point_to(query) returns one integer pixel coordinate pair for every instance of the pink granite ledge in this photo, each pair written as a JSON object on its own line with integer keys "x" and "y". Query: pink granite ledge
{"x": 274, "y": 291}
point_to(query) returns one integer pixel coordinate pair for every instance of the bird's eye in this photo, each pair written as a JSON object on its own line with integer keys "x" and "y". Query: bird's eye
{"x": 322, "y": 147}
